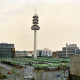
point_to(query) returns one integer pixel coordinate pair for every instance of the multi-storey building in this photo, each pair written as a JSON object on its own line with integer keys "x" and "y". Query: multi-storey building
{"x": 44, "y": 53}
{"x": 7, "y": 50}
{"x": 40, "y": 53}
{"x": 20, "y": 54}
{"x": 69, "y": 50}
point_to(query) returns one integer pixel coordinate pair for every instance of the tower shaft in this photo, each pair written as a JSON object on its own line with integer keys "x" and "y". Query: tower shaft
{"x": 35, "y": 44}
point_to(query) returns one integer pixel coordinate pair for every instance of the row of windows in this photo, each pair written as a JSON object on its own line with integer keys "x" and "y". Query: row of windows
{"x": 4, "y": 51}
{"x": 5, "y": 48}
{"x": 71, "y": 51}
{"x": 5, "y": 56}
{"x": 21, "y": 55}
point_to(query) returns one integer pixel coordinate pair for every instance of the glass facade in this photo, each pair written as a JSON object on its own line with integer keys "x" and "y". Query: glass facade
{"x": 7, "y": 50}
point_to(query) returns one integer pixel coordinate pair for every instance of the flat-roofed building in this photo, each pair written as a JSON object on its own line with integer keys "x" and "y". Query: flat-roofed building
{"x": 7, "y": 50}
{"x": 20, "y": 54}
{"x": 55, "y": 54}
{"x": 70, "y": 49}
{"x": 44, "y": 53}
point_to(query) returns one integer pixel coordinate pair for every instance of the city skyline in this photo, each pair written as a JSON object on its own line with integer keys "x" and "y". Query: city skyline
{"x": 59, "y": 21}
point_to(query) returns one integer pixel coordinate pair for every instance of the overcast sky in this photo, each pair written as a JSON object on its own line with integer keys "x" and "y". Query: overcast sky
{"x": 59, "y": 22}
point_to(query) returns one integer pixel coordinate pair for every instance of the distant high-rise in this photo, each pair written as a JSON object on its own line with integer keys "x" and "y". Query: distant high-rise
{"x": 35, "y": 27}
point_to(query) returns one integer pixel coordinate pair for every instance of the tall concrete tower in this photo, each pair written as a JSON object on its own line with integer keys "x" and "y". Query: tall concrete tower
{"x": 35, "y": 27}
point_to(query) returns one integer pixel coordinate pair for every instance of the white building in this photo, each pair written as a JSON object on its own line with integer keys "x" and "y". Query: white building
{"x": 23, "y": 54}
{"x": 44, "y": 52}
{"x": 40, "y": 53}
{"x": 70, "y": 49}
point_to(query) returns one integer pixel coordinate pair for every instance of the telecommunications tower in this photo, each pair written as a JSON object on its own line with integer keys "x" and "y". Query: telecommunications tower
{"x": 35, "y": 27}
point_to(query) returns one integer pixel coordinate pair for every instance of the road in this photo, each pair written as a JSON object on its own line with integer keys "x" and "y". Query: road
{"x": 18, "y": 74}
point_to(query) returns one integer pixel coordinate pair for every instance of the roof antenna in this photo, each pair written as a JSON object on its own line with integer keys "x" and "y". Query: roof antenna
{"x": 35, "y": 10}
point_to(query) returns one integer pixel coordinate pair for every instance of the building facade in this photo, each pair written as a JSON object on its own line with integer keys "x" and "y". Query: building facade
{"x": 69, "y": 50}
{"x": 54, "y": 54}
{"x": 44, "y": 53}
{"x": 7, "y": 50}
{"x": 40, "y": 53}
{"x": 20, "y": 54}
